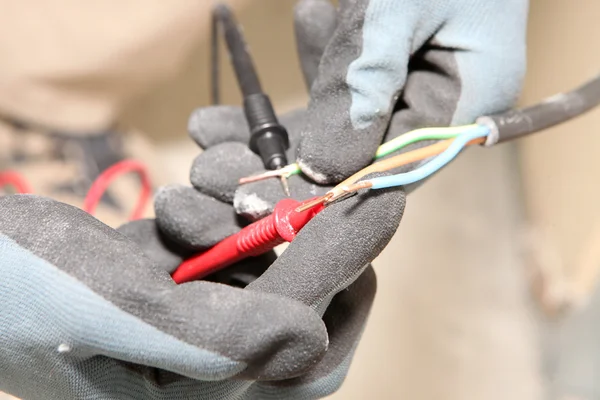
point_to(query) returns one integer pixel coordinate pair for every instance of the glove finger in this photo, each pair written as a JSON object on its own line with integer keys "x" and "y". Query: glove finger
{"x": 314, "y": 24}
{"x": 245, "y": 272}
{"x": 165, "y": 253}
{"x": 216, "y": 172}
{"x": 61, "y": 258}
{"x": 441, "y": 82}
{"x": 362, "y": 72}
{"x": 209, "y": 126}
{"x": 193, "y": 219}
{"x": 345, "y": 320}
{"x": 333, "y": 249}
{"x": 293, "y": 122}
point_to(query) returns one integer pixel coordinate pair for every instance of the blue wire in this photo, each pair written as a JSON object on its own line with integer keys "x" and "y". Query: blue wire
{"x": 434, "y": 165}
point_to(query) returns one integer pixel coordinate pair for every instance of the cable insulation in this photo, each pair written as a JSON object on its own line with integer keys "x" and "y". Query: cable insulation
{"x": 434, "y": 165}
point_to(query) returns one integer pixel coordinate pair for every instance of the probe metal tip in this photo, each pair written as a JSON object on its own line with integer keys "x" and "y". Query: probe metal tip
{"x": 284, "y": 184}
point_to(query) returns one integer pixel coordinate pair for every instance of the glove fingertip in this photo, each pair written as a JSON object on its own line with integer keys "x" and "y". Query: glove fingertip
{"x": 193, "y": 219}
{"x": 209, "y": 126}
{"x": 217, "y": 171}
{"x": 331, "y": 149}
{"x": 256, "y": 200}
{"x": 166, "y": 254}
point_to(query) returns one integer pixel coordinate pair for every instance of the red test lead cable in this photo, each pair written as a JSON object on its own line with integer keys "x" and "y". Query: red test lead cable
{"x": 253, "y": 240}
{"x": 103, "y": 181}
{"x": 13, "y": 178}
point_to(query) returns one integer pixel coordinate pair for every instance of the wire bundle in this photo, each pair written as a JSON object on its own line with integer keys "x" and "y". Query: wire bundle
{"x": 454, "y": 147}
{"x": 457, "y": 138}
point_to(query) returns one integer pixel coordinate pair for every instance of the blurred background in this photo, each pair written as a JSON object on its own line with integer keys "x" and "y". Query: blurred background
{"x": 487, "y": 291}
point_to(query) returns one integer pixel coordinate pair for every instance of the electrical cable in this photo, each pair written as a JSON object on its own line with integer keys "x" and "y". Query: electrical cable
{"x": 552, "y": 111}
{"x": 104, "y": 180}
{"x": 510, "y": 125}
{"x": 434, "y": 165}
{"x": 16, "y": 180}
{"x": 489, "y": 130}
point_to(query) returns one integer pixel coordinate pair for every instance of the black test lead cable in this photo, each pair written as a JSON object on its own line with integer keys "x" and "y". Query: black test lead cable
{"x": 268, "y": 138}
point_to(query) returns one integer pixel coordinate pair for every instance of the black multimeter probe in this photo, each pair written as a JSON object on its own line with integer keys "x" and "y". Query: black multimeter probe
{"x": 268, "y": 138}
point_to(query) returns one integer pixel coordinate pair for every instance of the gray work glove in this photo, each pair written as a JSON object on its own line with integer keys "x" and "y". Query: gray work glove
{"x": 450, "y": 69}
{"x": 405, "y": 64}
{"x": 87, "y": 313}
{"x": 326, "y": 267}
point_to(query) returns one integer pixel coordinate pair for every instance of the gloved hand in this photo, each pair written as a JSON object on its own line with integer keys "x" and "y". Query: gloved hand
{"x": 325, "y": 268}
{"x": 405, "y": 64}
{"x": 87, "y": 314}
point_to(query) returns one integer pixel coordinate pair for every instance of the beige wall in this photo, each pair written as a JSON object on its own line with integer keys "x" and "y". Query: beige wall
{"x": 268, "y": 26}
{"x": 561, "y": 167}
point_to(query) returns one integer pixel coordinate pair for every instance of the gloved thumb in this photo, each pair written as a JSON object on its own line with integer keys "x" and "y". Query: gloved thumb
{"x": 361, "y": 73}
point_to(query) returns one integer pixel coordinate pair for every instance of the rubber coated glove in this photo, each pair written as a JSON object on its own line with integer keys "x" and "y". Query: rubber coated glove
{"x": 86, "y": 313}
{"x": 326, "y": 267}
{"x": 405, "y": 64}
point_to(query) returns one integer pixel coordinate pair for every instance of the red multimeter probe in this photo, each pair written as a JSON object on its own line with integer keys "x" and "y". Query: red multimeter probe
{"x": 253, "y": 240}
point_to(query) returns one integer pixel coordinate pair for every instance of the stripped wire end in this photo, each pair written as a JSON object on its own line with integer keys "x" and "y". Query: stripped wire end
{"x": 314, "y": 203}
{"x": 342, "y": 192}
{"x": 284, "y": 172}
{"x": 334, "y": 195}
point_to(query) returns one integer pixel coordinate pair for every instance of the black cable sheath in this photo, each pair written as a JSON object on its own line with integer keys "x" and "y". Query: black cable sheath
{"x": 238, "y": 51}
{"x": 552, "y": 111}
